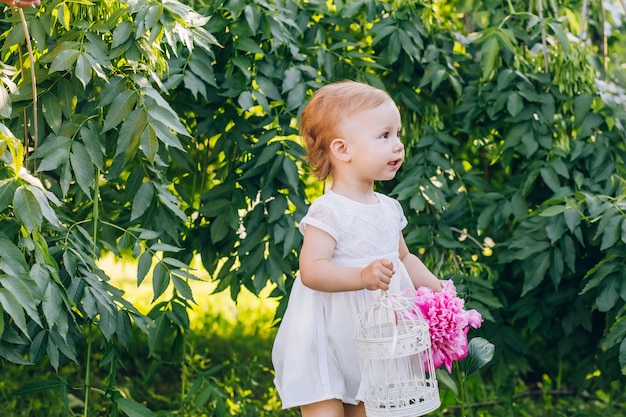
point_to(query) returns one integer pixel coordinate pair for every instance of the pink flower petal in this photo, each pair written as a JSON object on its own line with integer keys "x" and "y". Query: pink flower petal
{"x": 448, "y": 321}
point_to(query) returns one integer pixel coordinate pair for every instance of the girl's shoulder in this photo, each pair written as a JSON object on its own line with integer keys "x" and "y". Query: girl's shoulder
{"x": 336, "y": 202}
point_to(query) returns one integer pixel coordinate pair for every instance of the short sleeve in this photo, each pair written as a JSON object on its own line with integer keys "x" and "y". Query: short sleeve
{"x": 323, "y": 217}
{"x": 402, "y": 221}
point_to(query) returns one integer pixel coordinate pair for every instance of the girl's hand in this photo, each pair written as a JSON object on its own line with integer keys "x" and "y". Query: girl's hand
{"x": 442, "y": 283}
{"x": 377, "y": 275}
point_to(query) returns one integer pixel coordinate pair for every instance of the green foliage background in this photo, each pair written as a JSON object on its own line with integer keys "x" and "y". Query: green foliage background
{"x": 163, "y": 130}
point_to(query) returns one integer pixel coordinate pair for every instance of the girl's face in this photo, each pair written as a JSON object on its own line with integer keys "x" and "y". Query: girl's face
{"x": 373, "y": 140}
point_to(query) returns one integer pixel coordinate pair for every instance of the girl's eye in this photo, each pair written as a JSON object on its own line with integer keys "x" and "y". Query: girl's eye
{"x": 385, "y": 135}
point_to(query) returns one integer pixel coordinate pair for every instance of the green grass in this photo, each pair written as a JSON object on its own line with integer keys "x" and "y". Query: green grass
{"x": 225, "y": 369}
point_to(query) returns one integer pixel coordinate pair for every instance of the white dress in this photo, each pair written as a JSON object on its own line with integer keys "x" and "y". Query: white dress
{"x": 314, "y": 353}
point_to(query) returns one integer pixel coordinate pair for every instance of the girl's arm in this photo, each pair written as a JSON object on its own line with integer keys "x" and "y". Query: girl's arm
{"x": 318, "y": 272}
{"x": 420, "y": 275}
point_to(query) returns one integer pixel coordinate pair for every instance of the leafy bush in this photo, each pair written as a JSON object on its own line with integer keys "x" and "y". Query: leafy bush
{"x": 161, "y": 131}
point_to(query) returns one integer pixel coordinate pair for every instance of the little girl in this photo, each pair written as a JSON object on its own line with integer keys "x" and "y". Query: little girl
{"x": 353, "y": 248}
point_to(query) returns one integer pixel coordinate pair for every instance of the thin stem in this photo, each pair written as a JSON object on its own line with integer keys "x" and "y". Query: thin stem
{"x": 87, "y": 373}
{"x": 605, "y": 43}
{"x": 183, "y": 375}
{"x": 544, "y": 44}
{"x": 461, "y": 381}
{"x": 467, "y": 235}
{"x": 96, "y": 216}
{"x": 583, "y": 19}
{"x": 33, "y": 81}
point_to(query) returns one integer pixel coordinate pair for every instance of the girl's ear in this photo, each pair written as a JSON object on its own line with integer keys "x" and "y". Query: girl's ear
{"x": 340, "y": 150}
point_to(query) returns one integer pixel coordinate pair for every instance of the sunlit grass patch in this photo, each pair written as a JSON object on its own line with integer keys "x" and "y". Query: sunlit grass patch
{"x": 216, "y": 313}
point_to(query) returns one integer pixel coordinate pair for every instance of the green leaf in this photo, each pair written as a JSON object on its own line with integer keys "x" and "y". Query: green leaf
{"x": 616, "y": 334}
{"x": 124, "y": 328}
{"x": 559, "y": 166}
{"x": 68, "y": 349}
{"x": 54, "y": 151}
{"x": 92, "y": 144}
{"x": 394, "y": 47}
{"x": 27, "y": 208}
{"x": 133, "y": 409}
{"x": 443, "y": 377}
{"x": 168, "y": 118}
{"x": 572, "y": 218}
{"x": 609, "y": 293}
{"x": 607, "y": 217}
{"x": 489, "y": 54}
{"x": 23, "y": 295}
{"x": 14, "y": 309}
{"x": 556, "y": 266}
{"x": 582, "y": 105}
{"x": 485, "y": 218}
{"x": 612, "y": 232}
{"x": 143, "y": 266}
{"x": 535, "y": 271}
{"x": 160, "y": 280}
{"x": 179, "y": 315}
{"x": 149, "y": 144}
{"x": 39, "y": 386}
{"x": 245, "y": 100}
{"x": 51, "y": 109}
{"x": 165, "y": 135}
{"x": 277, "y": 208}
{"x": 268, "y": 88}
{"x": 194, "y": 84}
{"x": 7, "y": 191}
{"x": 130, "y": 134}
{"x": 296, "y": 96}
{"x": 43, "y": 198}
{"x": 182, "y": 287}
{"x": 11, "y": 257}
{"x": 13, "y": 356}
{"x": 219, "y": 229}
{"x": 479, "y": 353}
{"x": 175, "y": 262}
{"x": 121, "y": 107}
{"x": 171, "y": 202}
{"x": 553, "y": 211}
{"x": 165, "y": 247}
{"x": 121, "y": 33}
{"x": 599, "y": 273}
{"x": 291, "y": 173}
{"x": 64, "y": 61}
{"x": 153, "y": 15}
{"x": 549, "y": 176}
{"x": 82, "y": 167}
{"x": 53, "y": 311}
{"x": 515, "y": 104}
{"x": 6, "y": 106}
{"x": 248, "y": 45}
{"x": 82, "y": 70}
{"x": 515, "y": 134}
{"x": 108, "y": 323}
{"x": 291, "y": 79}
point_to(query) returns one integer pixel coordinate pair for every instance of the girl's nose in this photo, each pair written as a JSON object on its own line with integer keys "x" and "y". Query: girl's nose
{"x": 398, "y": 146}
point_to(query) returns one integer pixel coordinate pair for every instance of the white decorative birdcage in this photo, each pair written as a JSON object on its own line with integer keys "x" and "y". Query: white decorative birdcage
{"x": 395, "y": 356}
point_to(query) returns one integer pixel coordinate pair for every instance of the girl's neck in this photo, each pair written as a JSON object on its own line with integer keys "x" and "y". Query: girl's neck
{"x": 363, "y": 193}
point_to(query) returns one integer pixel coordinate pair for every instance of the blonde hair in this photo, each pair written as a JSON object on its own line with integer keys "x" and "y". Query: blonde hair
{"x": 321, "y": 119}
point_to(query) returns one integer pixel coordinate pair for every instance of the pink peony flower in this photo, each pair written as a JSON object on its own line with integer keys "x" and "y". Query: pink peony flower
{"x": 448, "y": 321}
